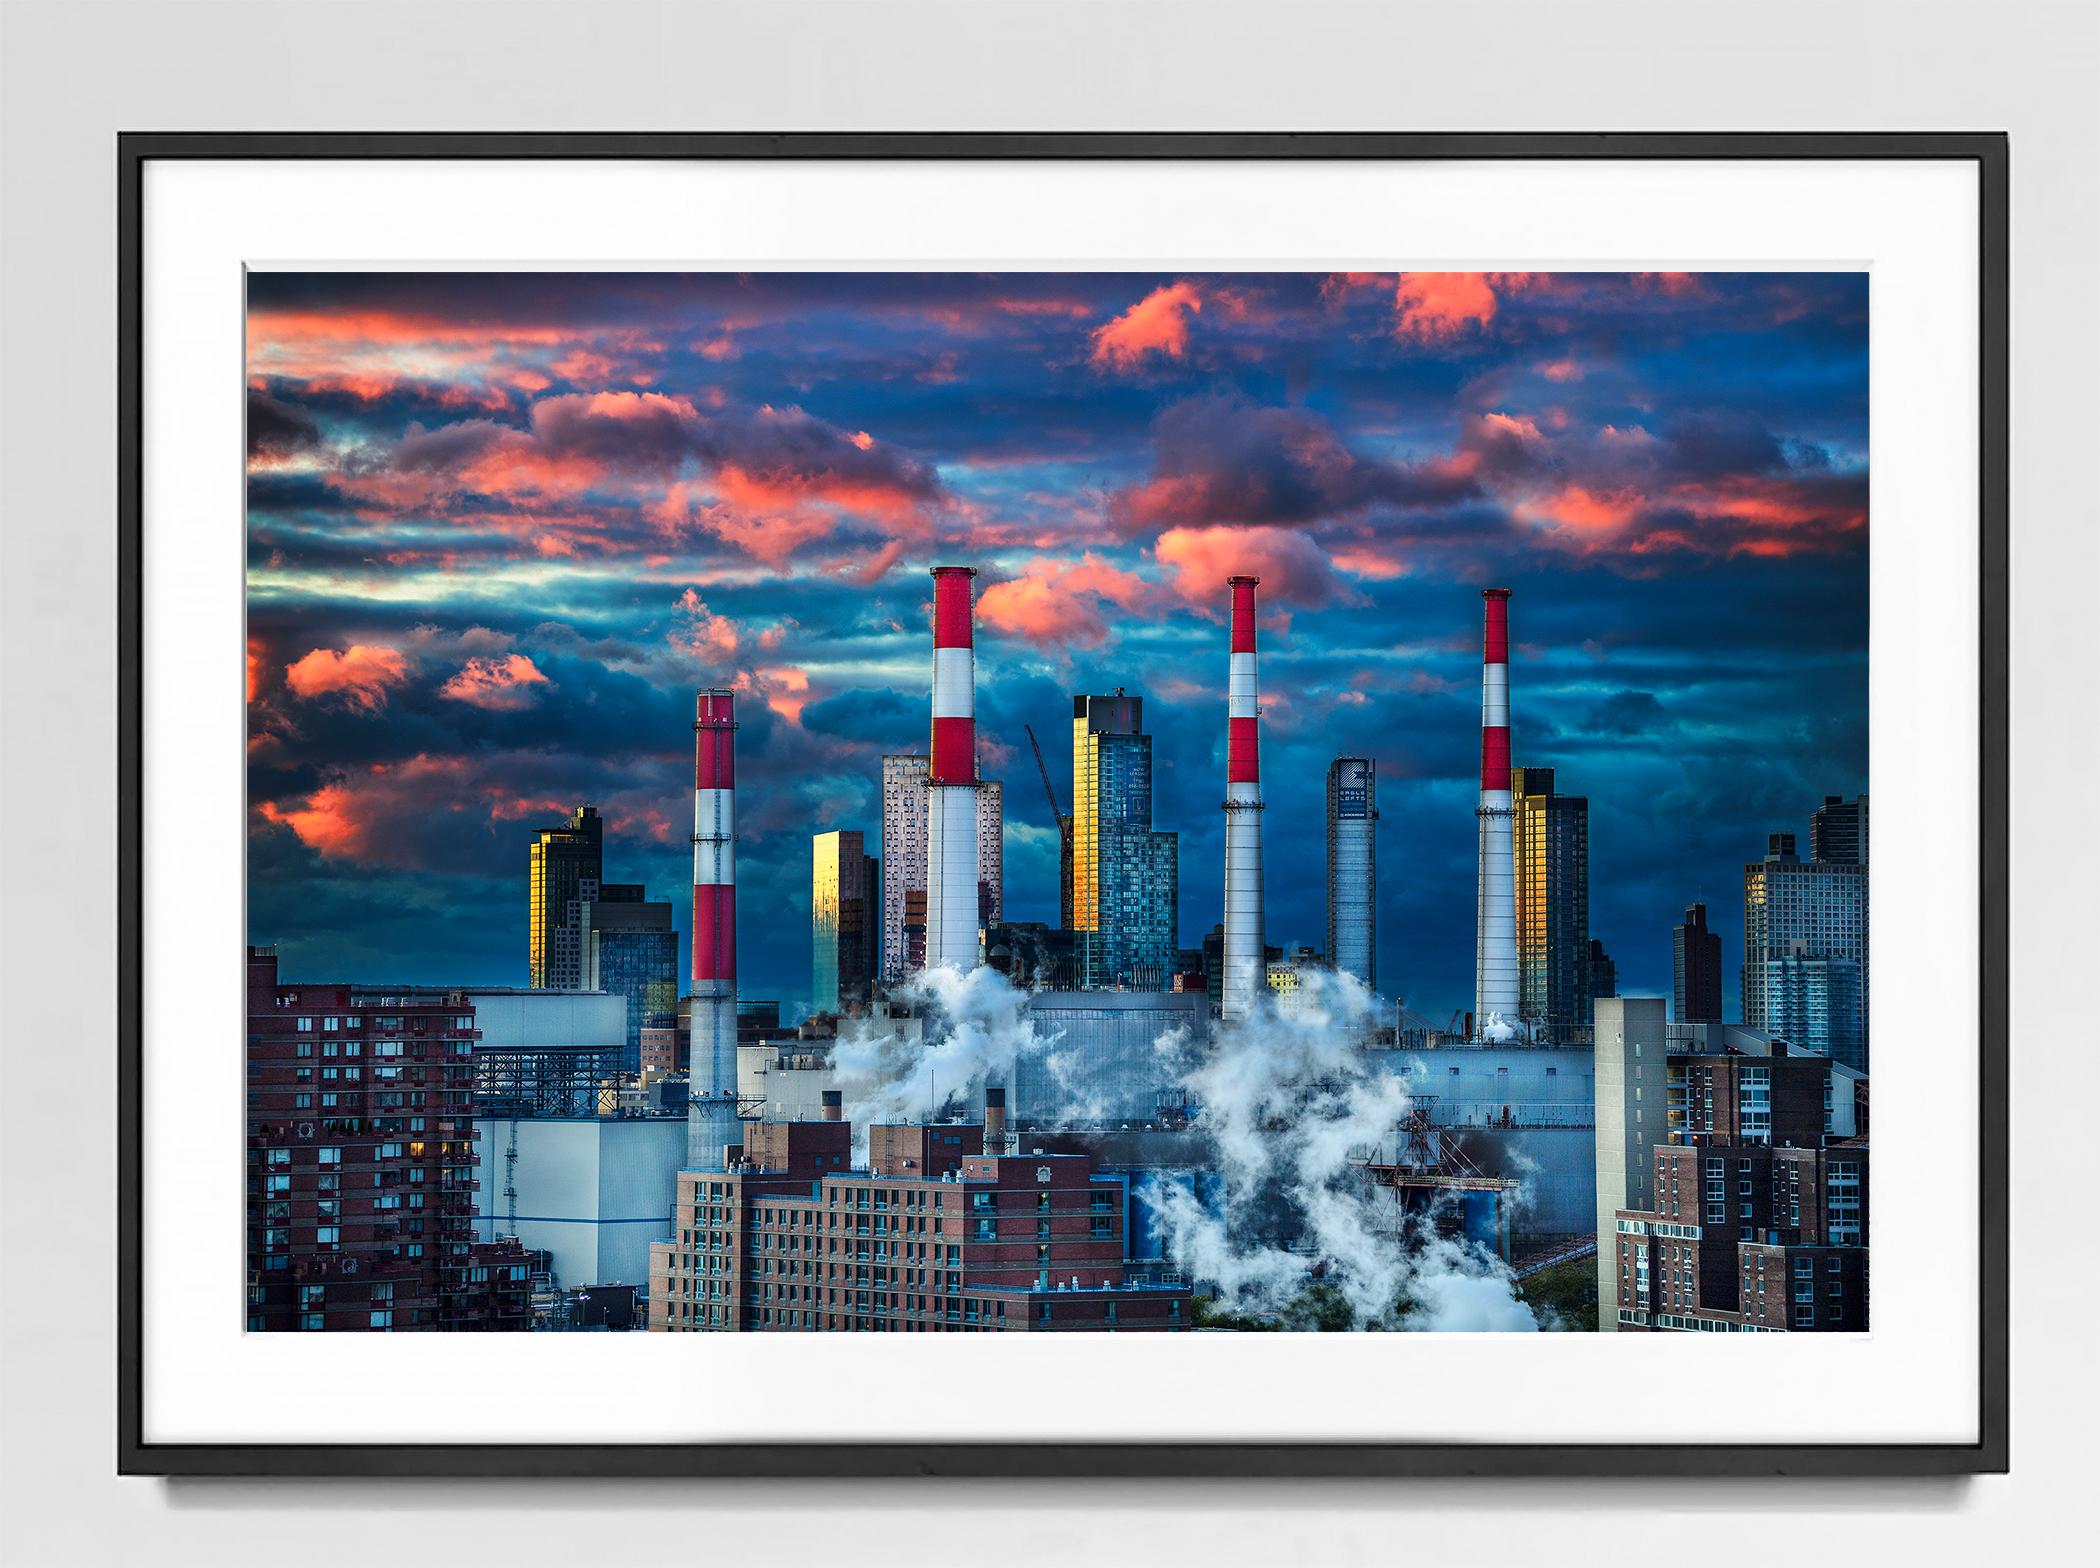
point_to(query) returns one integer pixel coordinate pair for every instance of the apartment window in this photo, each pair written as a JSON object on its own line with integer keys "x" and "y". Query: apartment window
{"x": 383, "y": 1318}
{"x": 329, "y": 1156}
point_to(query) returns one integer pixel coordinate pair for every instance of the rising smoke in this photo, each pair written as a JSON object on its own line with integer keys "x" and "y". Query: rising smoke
{"x": 1289, "y": 1105}
{"x": 1292, "y": 1106}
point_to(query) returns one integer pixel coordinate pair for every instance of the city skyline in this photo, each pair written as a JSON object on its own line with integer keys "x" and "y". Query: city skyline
{"x": 503, "y": 527}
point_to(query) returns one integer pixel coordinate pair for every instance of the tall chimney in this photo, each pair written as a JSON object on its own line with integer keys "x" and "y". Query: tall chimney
{"x": 994, "y": 1119}
{"x": 833, "y": 1106}
{"x": 952, "y": 929}
{"x": 1495, "y": 944}
{"x": 1246, "y": 952}
{"x": 711, "y": 1119}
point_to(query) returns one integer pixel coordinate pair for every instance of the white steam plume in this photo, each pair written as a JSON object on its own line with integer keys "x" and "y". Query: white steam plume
{"x": 1291, "y": 1104}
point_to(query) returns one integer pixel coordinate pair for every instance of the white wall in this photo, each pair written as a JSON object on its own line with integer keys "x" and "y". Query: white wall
{"x": 594, "y": 1191}
{"x": 72, "y": 75}
{"x": 553, "y": 1018}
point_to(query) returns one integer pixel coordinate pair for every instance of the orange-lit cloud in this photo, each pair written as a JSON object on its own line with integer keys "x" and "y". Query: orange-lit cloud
{"x": 703, "y": 633}
{"x": 1156, "y": 324}
{"x": 360, "y": 674}
{"x": 503, "y": 684}
{"x": 1292, "y": 566}
{"x": 1056, "y": 604}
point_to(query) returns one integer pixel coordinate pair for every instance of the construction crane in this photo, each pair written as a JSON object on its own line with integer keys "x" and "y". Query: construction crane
{"x": 1064, "y": 834}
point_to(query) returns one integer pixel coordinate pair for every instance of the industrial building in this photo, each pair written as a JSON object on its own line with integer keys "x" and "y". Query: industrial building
{"x": 934, "y": 1235}
{"x": 592, "y": 1192}
{"x": 1352, "y": 867}
{"x": 1522, "y": 1112}
{"x": 1100, "y": 1068}
{"x": 544, "y": 1053}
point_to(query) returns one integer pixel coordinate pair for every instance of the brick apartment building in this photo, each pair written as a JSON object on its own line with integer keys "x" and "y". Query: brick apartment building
{"x": 1759, "y": 1216}
{"x": 934, "y": 1236}
{"x": 362, "y": 1164}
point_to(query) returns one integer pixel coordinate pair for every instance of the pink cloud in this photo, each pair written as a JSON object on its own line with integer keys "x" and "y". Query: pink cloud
{"x": 1056, "y": 604}
{"x": 704, "y": 634}
{"x": 1156, "y": 324}
{"x": 1292, "y": 566}
{"x": 361, "y": 674}
{"x": 504, "y": 684}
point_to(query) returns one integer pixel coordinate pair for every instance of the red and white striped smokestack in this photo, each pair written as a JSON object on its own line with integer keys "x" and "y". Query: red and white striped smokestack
{"x": 1246, "y": 952}
{"x": 711, "y": 1119}
{"x": 952, "y": 930}
{"x": 1495, "y": 935}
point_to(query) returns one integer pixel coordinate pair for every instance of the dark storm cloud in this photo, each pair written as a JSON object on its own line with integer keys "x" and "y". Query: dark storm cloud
{"x": 276, "y": 428}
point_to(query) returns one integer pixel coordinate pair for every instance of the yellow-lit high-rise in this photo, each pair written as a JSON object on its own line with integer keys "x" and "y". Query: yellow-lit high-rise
{"x": 563, "y": 859}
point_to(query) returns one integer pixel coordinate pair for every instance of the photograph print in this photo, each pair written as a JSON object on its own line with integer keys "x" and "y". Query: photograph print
{"x": 1057, "y": 802}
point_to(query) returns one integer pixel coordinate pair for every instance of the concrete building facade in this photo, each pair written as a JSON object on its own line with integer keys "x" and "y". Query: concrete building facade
{"x": 590, "y": 1191}
{"x": 932, "y": 1236}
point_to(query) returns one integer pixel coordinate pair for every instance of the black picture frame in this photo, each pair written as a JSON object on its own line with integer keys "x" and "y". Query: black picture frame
{"x": 1990, "y": 1453}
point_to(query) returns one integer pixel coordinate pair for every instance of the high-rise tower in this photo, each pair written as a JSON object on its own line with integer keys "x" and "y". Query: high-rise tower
{"x": 1552, "y": 855}
{"x": 1695, "y": 969}
{"x": 1126, "y": 878}
{"x": 563, "y": 859}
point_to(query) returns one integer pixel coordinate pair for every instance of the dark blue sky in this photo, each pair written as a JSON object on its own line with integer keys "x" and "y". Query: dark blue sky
{"x": 503, "y": 526}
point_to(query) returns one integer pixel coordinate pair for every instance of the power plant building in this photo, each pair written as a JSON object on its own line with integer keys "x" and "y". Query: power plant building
{"x": 1101, "y": 1068}
{"x": 1552, "y": 853}
{"x": 1126, "y": 878}
{"x": 1352, "y": 868}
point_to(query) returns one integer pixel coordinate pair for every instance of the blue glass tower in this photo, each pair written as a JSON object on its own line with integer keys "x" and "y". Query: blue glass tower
{"x": 631, "y": 949}
{"x": 1126, "y": 878}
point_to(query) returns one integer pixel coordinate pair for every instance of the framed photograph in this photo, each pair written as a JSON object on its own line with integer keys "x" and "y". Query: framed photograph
{"x": 1236, "y": 766}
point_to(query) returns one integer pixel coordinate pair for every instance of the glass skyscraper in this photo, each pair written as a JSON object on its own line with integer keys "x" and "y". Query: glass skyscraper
{"x": 1126, "y": 878}
{"x": 1553, "y": 904}
{"x": 1805, "y": 951}
{"x": 563, "y": 859}
{"x": 844, "y": 920}
{"x": 631, "y": 950}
